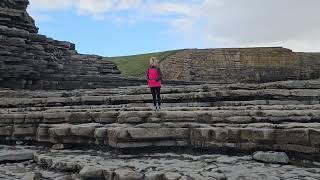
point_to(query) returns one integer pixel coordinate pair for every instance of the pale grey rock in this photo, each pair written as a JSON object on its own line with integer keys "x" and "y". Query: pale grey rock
{"x": 92, "y": 172}
{"x": 60, "y": 130}
{"x": 16, "y": 156}
{"x": 127, "y": 174}
{"x": 171, "y": 176}
{"x": 58, "y": 146}
{"x": 271, "y": 157}
{"x": 154, "y": 175}
{"x": 85, "y": 130}
{"x": 32, "y": 176}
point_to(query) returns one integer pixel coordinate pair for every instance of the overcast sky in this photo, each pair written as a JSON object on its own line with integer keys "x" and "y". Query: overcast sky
{"x": 122, "y": 27}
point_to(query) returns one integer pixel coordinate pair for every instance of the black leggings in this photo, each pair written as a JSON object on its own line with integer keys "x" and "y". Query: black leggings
{"x": 155, "y": 91}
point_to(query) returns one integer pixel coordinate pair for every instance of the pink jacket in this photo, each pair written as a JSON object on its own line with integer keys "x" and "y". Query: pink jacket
{"x": 154, "y": 77}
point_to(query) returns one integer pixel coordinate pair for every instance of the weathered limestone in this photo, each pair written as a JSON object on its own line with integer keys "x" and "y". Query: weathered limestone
{"x": 271, "y": 157}
{"x": 16, "y": 156}
{"x": 168, "y": 166}
{"x": 241, "y": 65}
{"x": 277, "y": 116}
{"x": 88, "y": 164}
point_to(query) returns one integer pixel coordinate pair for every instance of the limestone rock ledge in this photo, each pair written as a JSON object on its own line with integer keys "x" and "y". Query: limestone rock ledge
{"x": 279, "y": 116}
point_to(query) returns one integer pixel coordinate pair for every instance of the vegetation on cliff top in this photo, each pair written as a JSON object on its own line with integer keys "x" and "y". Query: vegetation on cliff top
{"x": 136, "y": 65}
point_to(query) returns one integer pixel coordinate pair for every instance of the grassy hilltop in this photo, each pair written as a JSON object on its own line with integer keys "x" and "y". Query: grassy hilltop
{"x": 136, "y": 65}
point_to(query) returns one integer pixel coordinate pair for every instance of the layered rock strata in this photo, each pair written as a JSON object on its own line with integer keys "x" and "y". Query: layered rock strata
{"x": 241, "y": 65}
{"x": 33, "y": 61}
{"x": 245, "y": 117}
{"x": 13, "y": 15}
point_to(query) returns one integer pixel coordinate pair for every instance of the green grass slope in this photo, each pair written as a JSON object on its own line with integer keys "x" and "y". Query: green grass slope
{"x": 136, "y": 65}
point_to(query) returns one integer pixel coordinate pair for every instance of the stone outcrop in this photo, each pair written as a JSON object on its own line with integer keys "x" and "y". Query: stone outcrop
{"x": 271, "y": 157}
{"x": 33, "y": 61}
{"x": 241, "y": 65}
{"x": 278, "y": 116}
{"x": 87, "y": 164}
{"x": 16, "y": 156}
{"x": 13, "y": 15}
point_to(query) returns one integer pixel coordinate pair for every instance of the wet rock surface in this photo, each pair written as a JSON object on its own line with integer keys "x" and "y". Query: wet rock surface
{"x": 91, "y": 164}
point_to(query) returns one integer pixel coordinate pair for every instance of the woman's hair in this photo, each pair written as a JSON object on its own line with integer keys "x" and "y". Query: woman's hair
{"x": 153, "y": 62}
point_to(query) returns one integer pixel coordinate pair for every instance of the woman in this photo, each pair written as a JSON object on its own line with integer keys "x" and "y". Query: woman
{"x": 154, "y": 77}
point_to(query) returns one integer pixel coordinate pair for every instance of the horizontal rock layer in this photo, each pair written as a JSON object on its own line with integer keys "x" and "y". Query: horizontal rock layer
{"x": 241, "y": 65}
{"x": 273, "y": 116}
{"x": 14, "y": 15}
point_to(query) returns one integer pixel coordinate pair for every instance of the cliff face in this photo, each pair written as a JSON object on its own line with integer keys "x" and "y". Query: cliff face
{"x": 13, "y": 14}
{"x": 241, "y": 64}
{"x": 31, "y": 60}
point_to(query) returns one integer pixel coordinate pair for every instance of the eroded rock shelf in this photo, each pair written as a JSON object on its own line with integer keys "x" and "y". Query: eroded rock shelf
{"x": 280, "y": 116}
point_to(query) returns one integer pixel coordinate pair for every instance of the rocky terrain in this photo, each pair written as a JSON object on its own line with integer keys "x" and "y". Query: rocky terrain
{"x": 65, "y": 115}
{"x": 255, "y": 65}
{"x": 207, "y": 119}
{"x": 90, "y": 164}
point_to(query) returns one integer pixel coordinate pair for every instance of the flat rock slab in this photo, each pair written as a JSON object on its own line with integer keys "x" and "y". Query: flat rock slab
{"x": 16, "y": 156}
{"x": 271, "y": 157}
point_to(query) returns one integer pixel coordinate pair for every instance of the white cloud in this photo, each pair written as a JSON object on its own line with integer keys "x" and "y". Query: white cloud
{"x": 95, "y": 8}
{"x": 294, "y": 24}
{"x": 128, "y": 4}
{"x": 38, "y": 8}
{"x": 167, "y": 8}
{"x": 291, "y": 23}
{"x": 145, "y": 8}
{"x": 45, "y": 5}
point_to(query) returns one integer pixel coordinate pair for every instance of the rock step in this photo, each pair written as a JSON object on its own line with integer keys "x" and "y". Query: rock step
{"x": 166, "y": 89}
{"x": 148, "y": 107}
{"x": 312, "y": 96}
{"x": 136, "y": 117}
{"x": 297, "y": 137}
{"x": 134, "y": 90}
{"x": 218, "y": 105}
